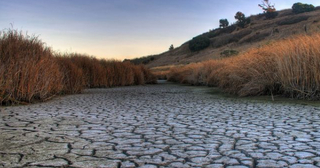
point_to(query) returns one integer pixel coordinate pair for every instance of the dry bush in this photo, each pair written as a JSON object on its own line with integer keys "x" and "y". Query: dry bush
{"x": 193, "y": 74}
{"x": 110, "y": 78}
{"x": 149, "y": 77}
{"x": 28, "y": 70}
{"x": 110, "y": 73}
{"x": 31, "y": 71}
{"x": 248, "y": 74}
{"x": 211, "y": 69}
{"x": 298, "y": 66}
{"x": 138, "y": 75}
{"x": 290, "y": 67}
{"x": 142, "y": 75}
{"x": 93, "y": 72}
{"x": 176, "y": 74}
{"x": 161, "y": 72}
{"x": 124, "y": 73}
{"x": 161, "y": 75}
{"x": 190, "y": 74}
{"x": 73, "y": 79}
{"x": 202, "y": 73}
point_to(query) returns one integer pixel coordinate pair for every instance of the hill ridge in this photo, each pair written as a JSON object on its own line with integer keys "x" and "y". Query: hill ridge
{"x": 234, "y": 39}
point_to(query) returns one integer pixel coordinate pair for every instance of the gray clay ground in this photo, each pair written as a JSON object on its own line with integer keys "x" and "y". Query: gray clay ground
{"x": 161, "y": 125}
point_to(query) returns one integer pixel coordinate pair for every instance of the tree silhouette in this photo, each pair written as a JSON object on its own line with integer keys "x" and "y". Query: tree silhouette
{"x": 300, "y": 8}
{"x": 242, "y": 20}
{"x": 224, "y": 23}
{"x": 268, "y": 9}
{"x": 171, "y": 47}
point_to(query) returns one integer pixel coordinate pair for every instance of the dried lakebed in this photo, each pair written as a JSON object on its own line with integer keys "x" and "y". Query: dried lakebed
{"x": 162, "y": 125}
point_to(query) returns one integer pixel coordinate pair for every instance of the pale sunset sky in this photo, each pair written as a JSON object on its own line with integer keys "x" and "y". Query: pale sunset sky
{"x": 123, "y": 28}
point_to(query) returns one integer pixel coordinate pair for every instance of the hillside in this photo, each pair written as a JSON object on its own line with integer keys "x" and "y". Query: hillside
{"x": 259, "y": 32}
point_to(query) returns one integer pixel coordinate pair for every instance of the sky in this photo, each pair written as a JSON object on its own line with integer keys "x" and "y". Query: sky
{"x": 119, "y": 29}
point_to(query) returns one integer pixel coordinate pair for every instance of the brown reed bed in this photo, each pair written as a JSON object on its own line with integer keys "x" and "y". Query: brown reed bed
{"x": 30, "y": 71}
{"x": 289, "y": 67}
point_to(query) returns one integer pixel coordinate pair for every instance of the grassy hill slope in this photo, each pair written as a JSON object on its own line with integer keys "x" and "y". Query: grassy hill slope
{"x": 259, "y": 32}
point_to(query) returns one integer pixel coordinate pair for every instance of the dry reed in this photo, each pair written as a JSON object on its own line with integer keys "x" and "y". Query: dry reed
{"x": 31, "y": 71}
{"x": 28, "y": 69}
{"x": 73, "y": 80}
{"x": 289, "y": 67}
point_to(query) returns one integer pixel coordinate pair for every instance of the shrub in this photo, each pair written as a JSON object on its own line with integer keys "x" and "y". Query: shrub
{"x": 171, "y": 47}
{"x": 212, "y": 33}
{"x": 268, "y": 9}
{"x": 301, "y": 8}
{"x": 271, "y": 15}
{"x": 242, "y": 19}
{"x": 224, "y": 23}
{"x": 199, "y": 43}
{"x": 240, "y": 16}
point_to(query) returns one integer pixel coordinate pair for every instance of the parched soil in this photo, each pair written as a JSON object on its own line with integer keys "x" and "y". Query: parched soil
{"x": 162, "y": 125}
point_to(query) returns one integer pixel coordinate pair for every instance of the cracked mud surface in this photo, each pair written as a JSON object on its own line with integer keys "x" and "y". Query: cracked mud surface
{"x": 161, "y": 125}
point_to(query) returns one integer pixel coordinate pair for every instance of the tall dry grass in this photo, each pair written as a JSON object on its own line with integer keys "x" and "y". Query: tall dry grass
{"x": 73, "y": 80}
{"x": 99, "y": 73}
{"x": 31, "y": 71}
{"x": 289, "y": 67}
{"x": 28, "y": 69}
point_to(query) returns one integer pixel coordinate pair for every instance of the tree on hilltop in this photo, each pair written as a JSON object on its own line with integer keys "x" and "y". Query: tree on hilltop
{"x": 268, "y": 9}
{"x": 224, "y": 23}
{"x": 300, "y": 8}
{"x": 171, "y": 47}
{"x": 242, "y": 19}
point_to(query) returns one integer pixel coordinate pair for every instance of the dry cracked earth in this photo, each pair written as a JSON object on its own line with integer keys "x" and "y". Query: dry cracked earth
{"x": 162, "y": 125}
